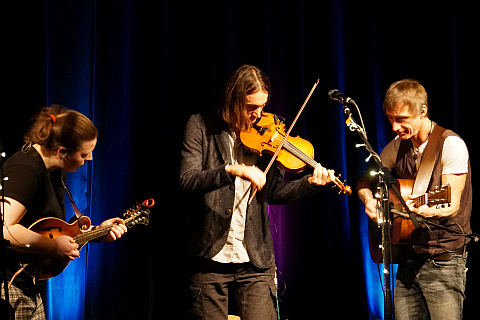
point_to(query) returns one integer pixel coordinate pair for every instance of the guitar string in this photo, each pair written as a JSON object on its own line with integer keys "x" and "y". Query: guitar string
{"x": 421, "y": 200}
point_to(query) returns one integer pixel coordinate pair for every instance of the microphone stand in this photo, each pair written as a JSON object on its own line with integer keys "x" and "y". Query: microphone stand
{"x": 386, "y": 183}
{"x": 3, "y": 243}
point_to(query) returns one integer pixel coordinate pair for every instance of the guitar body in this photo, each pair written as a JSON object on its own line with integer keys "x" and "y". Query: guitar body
{"x": 401, "y": 229}
{"x": 45, "y": 266}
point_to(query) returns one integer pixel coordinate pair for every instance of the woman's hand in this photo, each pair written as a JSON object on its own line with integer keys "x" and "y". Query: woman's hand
{"x": 117, "y": 230}
{"x": 66, "y": 248}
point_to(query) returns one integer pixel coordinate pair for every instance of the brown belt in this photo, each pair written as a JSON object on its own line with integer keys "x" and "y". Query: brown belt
{"x": 447, "y": 256}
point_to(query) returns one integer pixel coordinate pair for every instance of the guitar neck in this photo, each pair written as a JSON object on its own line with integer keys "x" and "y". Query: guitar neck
{"x": 420, "y": 200}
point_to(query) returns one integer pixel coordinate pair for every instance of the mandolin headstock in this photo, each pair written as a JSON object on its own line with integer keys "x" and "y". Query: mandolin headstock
{"x": 138, "y": 214}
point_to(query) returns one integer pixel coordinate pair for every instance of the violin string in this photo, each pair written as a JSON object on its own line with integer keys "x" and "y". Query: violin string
{"x": 293, "y": 149}
{"x": 275, "y": 155}
{"x": 291, "y": 127}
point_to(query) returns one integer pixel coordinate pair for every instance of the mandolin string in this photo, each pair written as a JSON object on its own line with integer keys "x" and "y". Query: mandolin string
{"x": 99, "y": 232}
{"x": 94, "y": 234}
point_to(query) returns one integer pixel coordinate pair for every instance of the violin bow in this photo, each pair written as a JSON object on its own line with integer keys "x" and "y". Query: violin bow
{"x": 287, "y": 134}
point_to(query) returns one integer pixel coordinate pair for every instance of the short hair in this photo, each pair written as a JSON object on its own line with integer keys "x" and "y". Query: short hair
{"x": 407, "y": 92}
{"x": 244, "y": 81}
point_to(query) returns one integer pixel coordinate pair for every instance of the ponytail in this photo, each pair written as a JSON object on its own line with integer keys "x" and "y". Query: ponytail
{"x": 58, "y": 126}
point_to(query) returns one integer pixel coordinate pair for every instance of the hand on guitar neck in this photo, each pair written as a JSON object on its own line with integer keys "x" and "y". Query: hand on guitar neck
{"x": 456, "y": 184}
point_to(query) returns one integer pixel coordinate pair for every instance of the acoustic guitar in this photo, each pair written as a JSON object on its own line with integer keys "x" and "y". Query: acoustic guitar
{"x": 401, "y": 227}
{"x": 43, "y": 267}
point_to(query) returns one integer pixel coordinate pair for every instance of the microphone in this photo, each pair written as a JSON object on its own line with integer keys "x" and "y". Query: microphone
{"x": 335, "y": 94}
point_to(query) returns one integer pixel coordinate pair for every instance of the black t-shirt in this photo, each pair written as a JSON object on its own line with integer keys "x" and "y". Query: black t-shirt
{"x": 40, "y": 191}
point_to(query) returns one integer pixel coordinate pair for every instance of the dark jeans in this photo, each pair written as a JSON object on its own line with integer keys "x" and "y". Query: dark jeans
{"x": 430, "y": 289}
{"x": 212, "y": 285}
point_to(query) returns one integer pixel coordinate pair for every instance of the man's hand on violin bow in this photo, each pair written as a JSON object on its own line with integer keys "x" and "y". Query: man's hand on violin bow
{"x": 321, "y": 176}
{"x": 256, "y": 176}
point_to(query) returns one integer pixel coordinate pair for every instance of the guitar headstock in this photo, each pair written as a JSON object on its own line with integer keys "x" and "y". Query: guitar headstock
{"x": 439, "y": 196}
{"x": 138, "y": 214}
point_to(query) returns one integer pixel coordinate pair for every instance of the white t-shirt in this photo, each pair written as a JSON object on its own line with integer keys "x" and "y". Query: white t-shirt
{"x": 234, "y": 250}
{"x": 454, "y": 155}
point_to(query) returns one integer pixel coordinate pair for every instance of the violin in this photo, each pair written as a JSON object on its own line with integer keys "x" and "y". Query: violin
{"x": 267, "y": 134}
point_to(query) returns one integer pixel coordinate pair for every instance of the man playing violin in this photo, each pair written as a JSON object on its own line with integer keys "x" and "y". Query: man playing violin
{"x": 430, "y": 282}
{"x": 229, "y": 239}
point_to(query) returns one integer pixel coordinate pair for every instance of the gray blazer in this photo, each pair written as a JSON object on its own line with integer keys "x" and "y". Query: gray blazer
{"x": 210, "y": 191}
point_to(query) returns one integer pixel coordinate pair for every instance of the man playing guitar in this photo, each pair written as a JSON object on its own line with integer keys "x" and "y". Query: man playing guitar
{"x": 427, "y": 287}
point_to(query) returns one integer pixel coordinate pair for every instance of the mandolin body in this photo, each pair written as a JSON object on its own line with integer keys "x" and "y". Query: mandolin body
{"x": 45, "y": 266}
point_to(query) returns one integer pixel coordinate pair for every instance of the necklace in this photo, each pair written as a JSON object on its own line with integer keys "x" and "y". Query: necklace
{"x": 431, "y": 129}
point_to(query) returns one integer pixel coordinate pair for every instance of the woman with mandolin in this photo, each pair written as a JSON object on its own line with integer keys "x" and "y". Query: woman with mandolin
{"x": 60, "y": 140}
{"x": 431, "y": 276}
{"x": 225, "y": 171}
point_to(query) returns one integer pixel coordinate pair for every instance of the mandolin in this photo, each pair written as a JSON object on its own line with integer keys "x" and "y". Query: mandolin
{"x": 402, "y": 228}
{"x": 44, "y": 267}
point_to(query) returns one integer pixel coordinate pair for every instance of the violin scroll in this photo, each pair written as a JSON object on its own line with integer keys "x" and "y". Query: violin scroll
{"x": 342, "y": 186}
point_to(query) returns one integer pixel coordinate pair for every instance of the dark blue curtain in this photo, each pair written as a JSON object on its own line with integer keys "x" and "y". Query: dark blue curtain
{"x": 138, "y": 69}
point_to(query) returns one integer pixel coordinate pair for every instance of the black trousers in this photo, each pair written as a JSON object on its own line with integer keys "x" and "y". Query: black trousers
{"x": 213, "y": 285}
